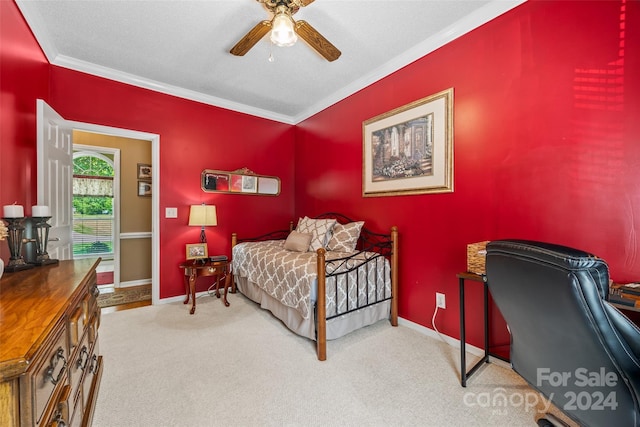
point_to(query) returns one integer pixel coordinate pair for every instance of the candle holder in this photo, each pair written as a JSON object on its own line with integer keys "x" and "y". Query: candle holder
{"x": 42, "y": 240}
{"x": 14, "y": 239}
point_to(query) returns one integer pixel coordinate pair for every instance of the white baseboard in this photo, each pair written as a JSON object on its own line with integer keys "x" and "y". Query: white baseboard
{"x": 180, "y": 298}
{"x": 132, "y": 283}
{"x": 476, "y": 351}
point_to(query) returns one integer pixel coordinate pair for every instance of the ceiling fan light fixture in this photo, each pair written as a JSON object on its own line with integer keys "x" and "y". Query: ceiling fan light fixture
{"x": 282, "y": 30}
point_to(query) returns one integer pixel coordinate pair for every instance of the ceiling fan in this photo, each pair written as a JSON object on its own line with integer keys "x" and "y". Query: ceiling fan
{"x": 284, "y": 30}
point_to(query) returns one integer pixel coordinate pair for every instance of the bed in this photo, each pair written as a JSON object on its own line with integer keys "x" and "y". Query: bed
{"x": 323, "y": 279}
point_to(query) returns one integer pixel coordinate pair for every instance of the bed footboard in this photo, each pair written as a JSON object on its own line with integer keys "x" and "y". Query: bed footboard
{"x": 374, "y": 290}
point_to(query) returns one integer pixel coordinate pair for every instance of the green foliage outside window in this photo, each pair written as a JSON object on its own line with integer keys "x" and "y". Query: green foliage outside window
{"x": 91, "y": 205}
{"x": 87, "y": 205}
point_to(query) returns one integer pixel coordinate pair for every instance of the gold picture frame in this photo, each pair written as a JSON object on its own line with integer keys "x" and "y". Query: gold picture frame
{"x": 197, "y": 251}
{"x": 409, "y": 150}
{"x": 239, "y": 181}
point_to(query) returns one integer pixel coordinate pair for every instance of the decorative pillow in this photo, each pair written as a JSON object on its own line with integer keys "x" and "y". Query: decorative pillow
{"x": 320, "y": 230}
{"x": 298, "y": 242}
{"x": 345, "y": 237}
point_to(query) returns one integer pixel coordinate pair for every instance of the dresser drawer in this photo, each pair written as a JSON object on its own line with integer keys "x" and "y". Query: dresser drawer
{"x": 76, "y": 327}
{"x": 47, "y": 374}
{"x": 90, "y": 387}
{"x": 93, "y": 328}
{"x": 79, "y": 365}
{"x": 60, "y": 416}
{"x": 90, "y": 304}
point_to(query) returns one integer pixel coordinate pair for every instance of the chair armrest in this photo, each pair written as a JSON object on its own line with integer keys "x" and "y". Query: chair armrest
{"x": 628, "y": 331}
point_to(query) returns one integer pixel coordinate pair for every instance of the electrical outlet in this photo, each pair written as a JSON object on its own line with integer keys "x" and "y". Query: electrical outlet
{"x": 440, "y": 300}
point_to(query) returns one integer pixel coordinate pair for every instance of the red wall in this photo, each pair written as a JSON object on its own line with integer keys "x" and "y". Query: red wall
{"x": 546, "y": 147}
{"x": 193, "y": 137}
{"x": 23, "y": 78}
{"x": 543, "y": 150}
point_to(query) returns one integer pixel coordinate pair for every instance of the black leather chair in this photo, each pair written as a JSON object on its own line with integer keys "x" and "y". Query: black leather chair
{"x": 567, "y": 341}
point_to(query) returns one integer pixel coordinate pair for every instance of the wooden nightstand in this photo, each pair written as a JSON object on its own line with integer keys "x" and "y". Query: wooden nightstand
{"x": 198, "y": 268}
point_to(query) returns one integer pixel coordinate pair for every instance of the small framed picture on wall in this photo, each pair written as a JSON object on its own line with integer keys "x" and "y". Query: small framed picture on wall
{"x": 144, "y": 171}
{"x": 144, "y": 188}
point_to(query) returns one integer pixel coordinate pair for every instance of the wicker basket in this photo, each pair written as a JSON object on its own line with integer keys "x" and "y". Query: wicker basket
{"x": 476, "y": 257}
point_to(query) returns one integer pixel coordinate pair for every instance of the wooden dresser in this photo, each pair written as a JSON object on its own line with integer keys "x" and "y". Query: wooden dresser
{"x": 50, "y": 365}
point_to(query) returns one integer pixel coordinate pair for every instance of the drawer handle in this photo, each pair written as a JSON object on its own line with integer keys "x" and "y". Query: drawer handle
{"x": 59, "y": 420}
{"x": 95, "y": 365}
{"x": 48, "y": 375}
{"x": 95, "y": 291}
{"x": 79, "y": 363}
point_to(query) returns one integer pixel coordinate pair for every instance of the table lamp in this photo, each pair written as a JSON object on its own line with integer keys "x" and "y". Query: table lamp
{"x": 203, "y": 216}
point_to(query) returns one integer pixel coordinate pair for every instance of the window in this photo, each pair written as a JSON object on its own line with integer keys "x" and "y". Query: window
{"x": 92, "y": 204}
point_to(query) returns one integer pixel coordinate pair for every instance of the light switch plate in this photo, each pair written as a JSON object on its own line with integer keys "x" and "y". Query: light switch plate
{"x": 171, "y": 213}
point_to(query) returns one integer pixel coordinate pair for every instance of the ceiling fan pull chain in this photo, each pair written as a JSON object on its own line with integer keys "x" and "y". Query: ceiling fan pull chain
{"x": 271, "y": 58}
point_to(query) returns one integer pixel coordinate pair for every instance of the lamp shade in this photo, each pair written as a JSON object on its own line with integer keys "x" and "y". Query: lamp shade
{"x": 203, "y": 215}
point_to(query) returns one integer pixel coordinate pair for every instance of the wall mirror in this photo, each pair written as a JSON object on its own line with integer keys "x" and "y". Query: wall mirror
{"x": 240, "y": 181}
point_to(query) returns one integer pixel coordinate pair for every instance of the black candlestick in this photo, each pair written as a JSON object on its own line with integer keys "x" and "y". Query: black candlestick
{"x": 42, "y": 240}
{"x": 14, "y": 239}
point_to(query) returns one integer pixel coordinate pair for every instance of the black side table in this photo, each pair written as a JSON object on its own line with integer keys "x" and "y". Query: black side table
{"x": 464, "y": 374}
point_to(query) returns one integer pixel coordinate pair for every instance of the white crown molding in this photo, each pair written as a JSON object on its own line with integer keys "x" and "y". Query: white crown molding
{"x": 38, "y": 29}
{"x": 131, "y": 79}
{"x": 468, "y": 23}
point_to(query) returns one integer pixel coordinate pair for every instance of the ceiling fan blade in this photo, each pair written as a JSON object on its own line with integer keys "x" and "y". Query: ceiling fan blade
{"x": 251, "y": 38}
{"x": 317, "y": 41}
{"x": 302, "y": 3}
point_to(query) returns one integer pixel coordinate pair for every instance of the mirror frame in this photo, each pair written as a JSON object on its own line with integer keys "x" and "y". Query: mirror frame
{"x": 239, "y": 181}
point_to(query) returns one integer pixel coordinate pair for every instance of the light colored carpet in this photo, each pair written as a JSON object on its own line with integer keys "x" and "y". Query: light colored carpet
{"x": 239, "y": 366}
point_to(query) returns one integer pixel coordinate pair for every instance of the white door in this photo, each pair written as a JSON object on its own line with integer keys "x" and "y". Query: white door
{"x": 55, "y": 172}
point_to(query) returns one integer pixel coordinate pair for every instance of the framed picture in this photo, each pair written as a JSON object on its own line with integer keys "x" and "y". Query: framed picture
{"x": 197, "y": 251}
{"x": 144, "y": 188}
{"x": 144, "y": 171}
{"x": 212, "y": 181}
{"x": 409, "y": 150}
{"x": 249, "y": 184}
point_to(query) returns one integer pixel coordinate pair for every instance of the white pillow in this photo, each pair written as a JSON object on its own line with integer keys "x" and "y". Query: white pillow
{"x": 320, "y": 230}
{"x": 345, "y": 237}
{"x": 298, "y": 242}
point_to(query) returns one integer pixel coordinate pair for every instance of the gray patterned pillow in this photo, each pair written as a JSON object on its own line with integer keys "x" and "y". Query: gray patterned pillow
{"x": 297, "y": 242}
{"x": 345, "y": 237}
{"x": 320, "y": 230}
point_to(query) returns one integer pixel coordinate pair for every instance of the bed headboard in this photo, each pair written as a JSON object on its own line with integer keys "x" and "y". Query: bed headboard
{"x": 368, "y": 240}
{"x": 382, "y": 243}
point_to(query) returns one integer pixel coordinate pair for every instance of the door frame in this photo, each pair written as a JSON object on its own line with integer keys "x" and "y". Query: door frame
{"x": 154, "y": 139}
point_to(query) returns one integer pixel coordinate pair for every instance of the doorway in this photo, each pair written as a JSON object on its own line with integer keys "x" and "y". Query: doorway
{"x": 55, "y": 131}
{"x": 121, "y": 234}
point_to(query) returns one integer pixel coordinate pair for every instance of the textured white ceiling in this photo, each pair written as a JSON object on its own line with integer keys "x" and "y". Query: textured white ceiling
{"x": 181, "y": 47}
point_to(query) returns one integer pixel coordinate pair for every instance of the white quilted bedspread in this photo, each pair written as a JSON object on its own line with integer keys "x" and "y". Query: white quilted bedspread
{"x": 289, "y": 276}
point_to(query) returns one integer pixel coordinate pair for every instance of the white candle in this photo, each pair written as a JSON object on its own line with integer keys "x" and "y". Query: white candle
{"x": 13, "y": 211}
{"x": 40, "y": 211}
